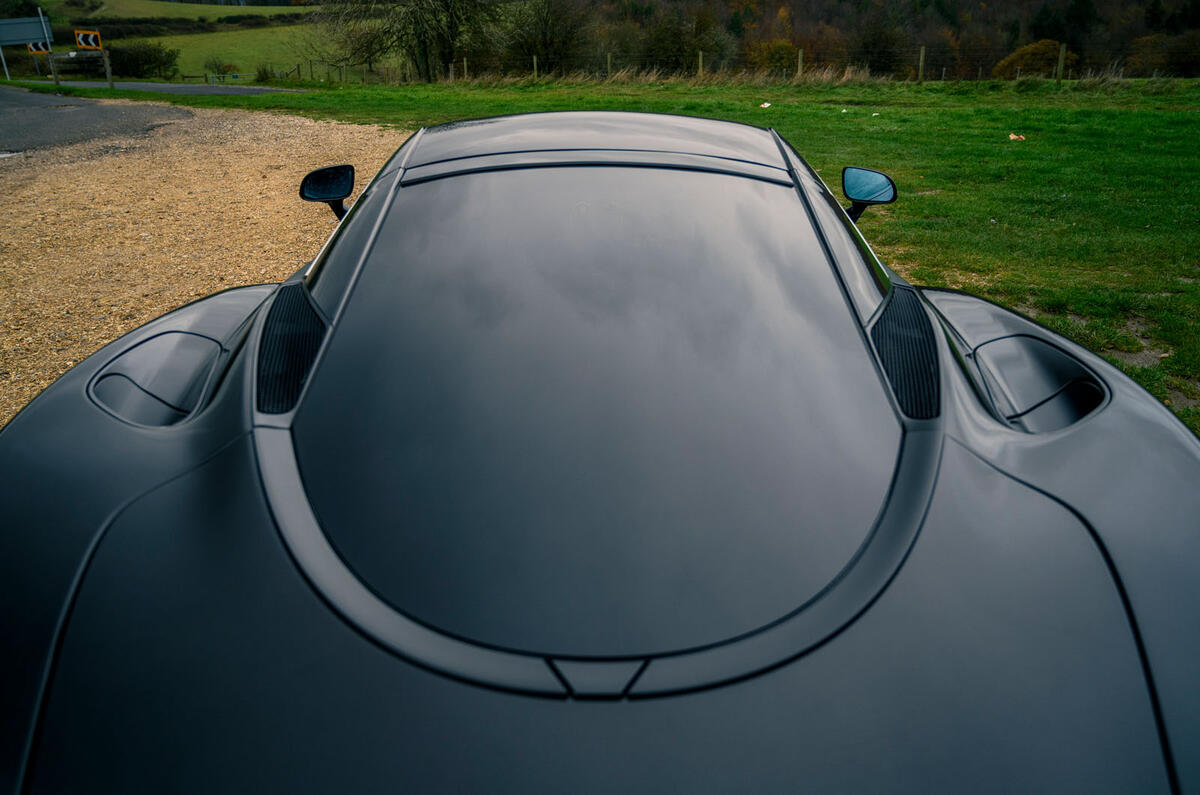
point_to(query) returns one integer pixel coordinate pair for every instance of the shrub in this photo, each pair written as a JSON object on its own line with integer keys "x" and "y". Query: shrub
{"x": 143, "y": 59}
{"x": 140, "y": 27}
{"x": 264, "y": 73}
{"x": 943, "y": 56}
{"x": 1183, "y": 54}
{"x": 880, "y": 46}
{"x": 1162, "y": 55}
{"x": 776, "y": 56}
{"x": 1147, "y": 56}
{"x": 246, "y": 20}
{"x": 824, "y": 45}
{"x": 1039, "y": 58}
{"x": 18, "y": 8}
{"x": 144, "y": 27}
{"x": 215, "y": 64}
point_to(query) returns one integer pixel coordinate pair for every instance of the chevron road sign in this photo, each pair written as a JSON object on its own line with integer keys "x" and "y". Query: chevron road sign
{"x": 88, "y": 39}
{"x": 38, "y": 47}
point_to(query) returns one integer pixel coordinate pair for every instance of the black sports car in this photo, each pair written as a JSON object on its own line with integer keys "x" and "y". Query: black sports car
{"x": 596, "y": 452}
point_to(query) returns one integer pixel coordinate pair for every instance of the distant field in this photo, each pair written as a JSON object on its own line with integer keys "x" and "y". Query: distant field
{"x": 245, "y": 49}
{"x": 1091, "y": 224}
{"x": 160, "y": 8}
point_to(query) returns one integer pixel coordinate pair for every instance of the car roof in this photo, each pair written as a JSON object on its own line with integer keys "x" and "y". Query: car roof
{"x": 597, "y": 132}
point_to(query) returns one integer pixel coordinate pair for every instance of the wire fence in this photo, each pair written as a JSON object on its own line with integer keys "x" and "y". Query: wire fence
{"x": 917, "y": 63}
{"x": 920, "y": 63}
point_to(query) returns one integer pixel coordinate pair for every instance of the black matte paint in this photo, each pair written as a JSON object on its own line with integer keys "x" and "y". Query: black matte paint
{"x": 598, "y": 484}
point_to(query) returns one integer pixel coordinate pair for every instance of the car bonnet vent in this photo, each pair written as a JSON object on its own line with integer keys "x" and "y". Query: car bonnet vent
{"x": 290, "y": 340}
{"x": 904, "y": 338}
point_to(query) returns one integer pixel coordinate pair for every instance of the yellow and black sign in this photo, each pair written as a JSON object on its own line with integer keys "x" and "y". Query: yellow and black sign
{"x": 87, "y": 39}
{"x": 38, "y": 46}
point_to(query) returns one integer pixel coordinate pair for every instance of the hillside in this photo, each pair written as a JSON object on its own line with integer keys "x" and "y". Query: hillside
{"x": 277, "y": 47}
{"x": 61, "y": 10}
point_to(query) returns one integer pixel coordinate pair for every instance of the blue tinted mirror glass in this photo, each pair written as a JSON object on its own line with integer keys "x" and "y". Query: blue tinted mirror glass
{"x": 328, "y": 184}
{"x": 869, "y": 187}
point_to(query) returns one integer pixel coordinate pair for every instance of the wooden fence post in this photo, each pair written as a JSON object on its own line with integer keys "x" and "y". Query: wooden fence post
{"x": 535, "y": 75}
{"x": 921, "y": 66}
{"x": 53, "y": 68}
{"x": 107, "y": 68}
{"x": 1062, "y": 59}
{"x": 799, "y": 61}
{"x": 699, "y": 63}
{"x": 465, "y": 77}
{"x": 610, "y": 64}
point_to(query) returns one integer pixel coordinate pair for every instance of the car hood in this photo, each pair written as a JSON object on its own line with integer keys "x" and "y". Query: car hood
{"x": 649, "y": 425}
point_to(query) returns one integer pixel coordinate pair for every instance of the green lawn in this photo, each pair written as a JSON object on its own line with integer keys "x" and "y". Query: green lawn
{"x": 160, "y": 8}
{"x": 245, "y": 49}
{"x": 1091, "y": 224}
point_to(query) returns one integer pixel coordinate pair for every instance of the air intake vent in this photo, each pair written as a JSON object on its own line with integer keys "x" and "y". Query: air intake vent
{"x": 290, "y": 340}
{"x": 903, "y": 336}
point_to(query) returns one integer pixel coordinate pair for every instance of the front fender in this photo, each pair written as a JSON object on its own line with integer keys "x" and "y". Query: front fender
{"x": 1131, "y": 469}
{"x": 69, "y": 463}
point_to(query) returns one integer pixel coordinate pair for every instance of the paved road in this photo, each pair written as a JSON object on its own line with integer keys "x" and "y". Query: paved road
{"x": 33, "y": 121}
{"x": 177, "y": 88}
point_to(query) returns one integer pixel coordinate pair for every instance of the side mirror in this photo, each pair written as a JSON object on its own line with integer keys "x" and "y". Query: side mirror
{"x": 864, "y": 187}
{"x": 330, "y": 185}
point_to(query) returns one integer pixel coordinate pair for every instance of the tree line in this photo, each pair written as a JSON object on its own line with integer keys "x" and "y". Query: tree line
{"x": 962, "y": 39}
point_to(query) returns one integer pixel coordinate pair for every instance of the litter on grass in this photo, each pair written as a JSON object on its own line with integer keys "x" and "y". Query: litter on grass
{"x": 1015, "y": 137}
{"x": 765, "y": 105}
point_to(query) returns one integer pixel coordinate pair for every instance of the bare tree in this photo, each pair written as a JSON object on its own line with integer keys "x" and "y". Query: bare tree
{"x": 424, "y": 31}
{"x": 346, "y": 43}
{"x": 550, "y": 29}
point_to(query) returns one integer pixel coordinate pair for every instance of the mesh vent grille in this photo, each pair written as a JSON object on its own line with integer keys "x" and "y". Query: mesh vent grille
{"x": 903, "y": 336}
{"x": 291, "y": 337}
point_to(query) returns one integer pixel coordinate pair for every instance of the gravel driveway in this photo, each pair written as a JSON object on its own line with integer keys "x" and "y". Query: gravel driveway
{"x": 100, "y": 237}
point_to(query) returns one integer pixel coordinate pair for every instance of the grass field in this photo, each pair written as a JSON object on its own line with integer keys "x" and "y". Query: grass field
{"x": 246, "y": 49}
{"x": 1091, "y": 224}
{"x": 160, "y": 8}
